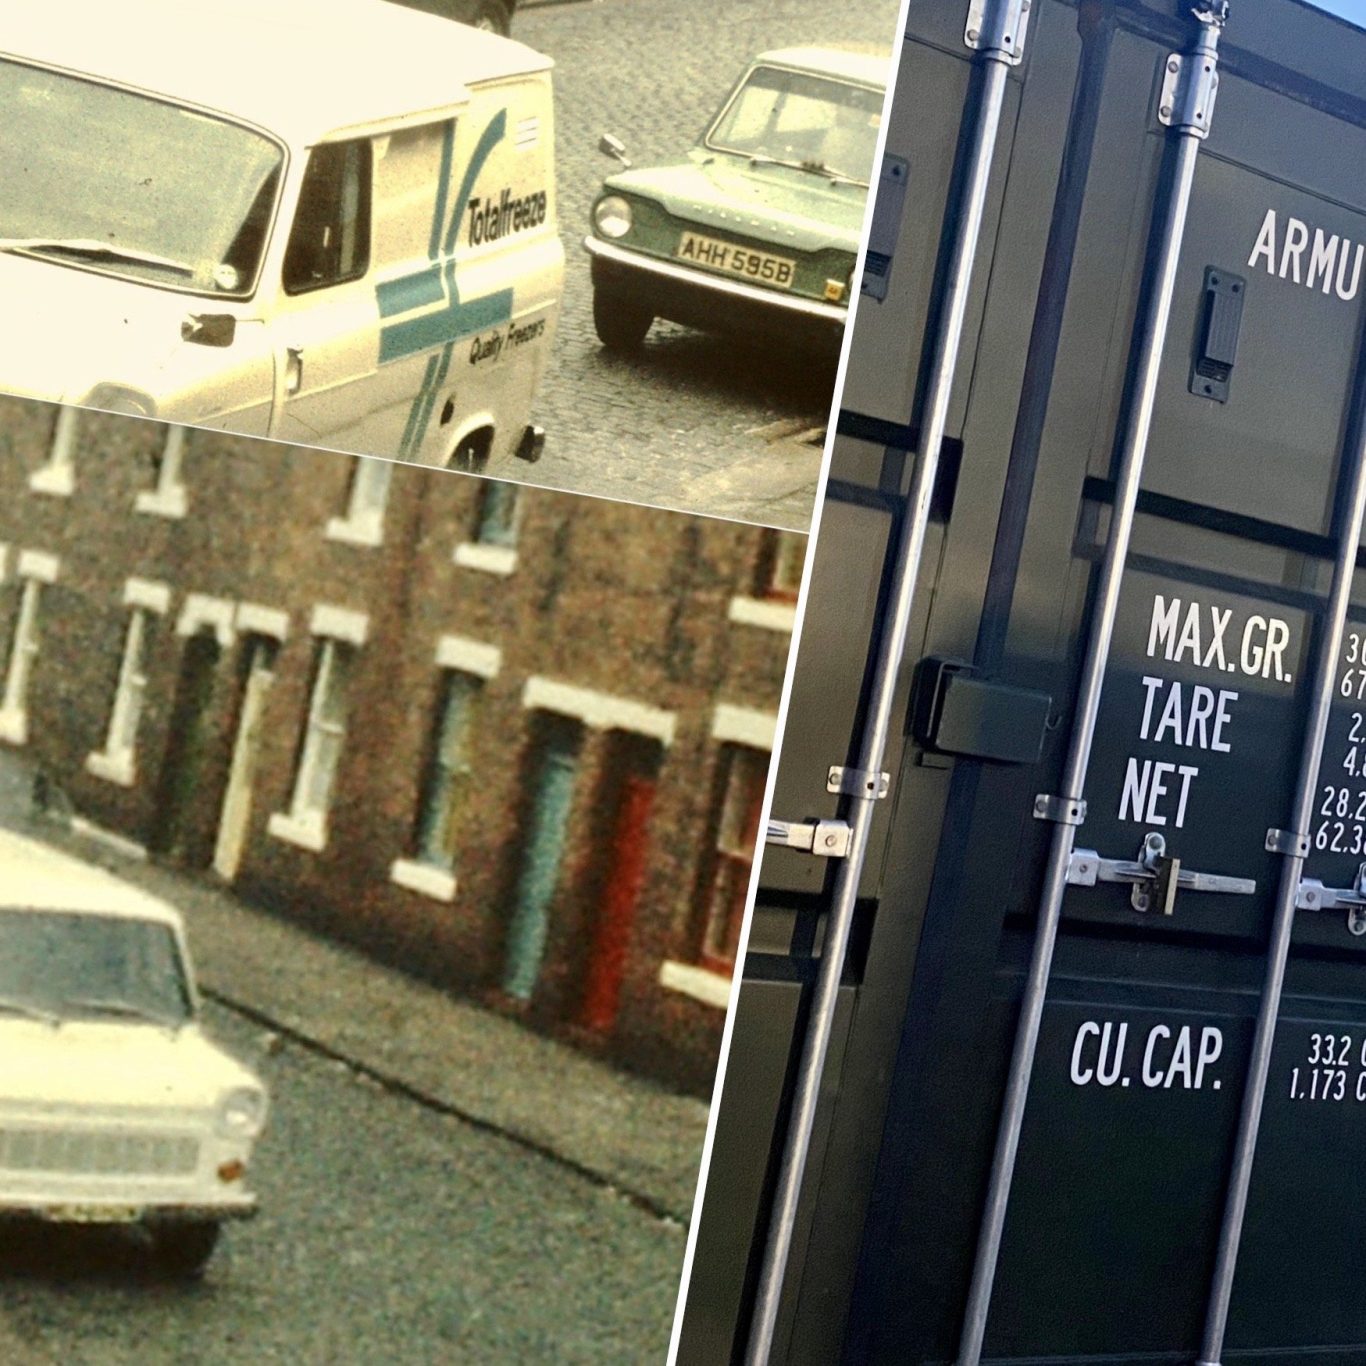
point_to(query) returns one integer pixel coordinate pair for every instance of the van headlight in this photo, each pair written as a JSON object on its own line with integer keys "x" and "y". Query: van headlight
{"x": 612, "y": 216}
{"x": 242, "y": 1113}
{"x": 119, "y": 398}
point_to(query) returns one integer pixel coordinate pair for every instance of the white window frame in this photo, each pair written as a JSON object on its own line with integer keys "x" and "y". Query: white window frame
{"x": 338, "y": 633}
{"x": 36, "y": 571}
{"x": 169, "y": 497}
{"x": 367, "y": 498}
{"x": 57, "y": 475}
{"x": 117, "y": 761}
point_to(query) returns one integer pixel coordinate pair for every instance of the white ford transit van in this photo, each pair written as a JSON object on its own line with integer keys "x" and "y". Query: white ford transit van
{"x": 115, "y": 1106}
{"x": 322, "y": 221}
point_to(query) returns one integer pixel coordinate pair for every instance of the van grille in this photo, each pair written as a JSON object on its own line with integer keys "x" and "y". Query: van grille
{"x": 99, "y": 1153}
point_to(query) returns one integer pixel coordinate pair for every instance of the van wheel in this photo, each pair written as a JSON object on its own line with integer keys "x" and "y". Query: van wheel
{"x": 620, "y": 321}
{"x": 182, "y": 1251}
{"x": 492, "y": 16}
{"x": 471, "y": 456}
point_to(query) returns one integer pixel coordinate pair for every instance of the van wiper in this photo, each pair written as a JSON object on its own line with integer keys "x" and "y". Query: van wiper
{"x": 100, "y": 1005}
{"x": 90, "y": 248}
{"x": 9, "y": 1006}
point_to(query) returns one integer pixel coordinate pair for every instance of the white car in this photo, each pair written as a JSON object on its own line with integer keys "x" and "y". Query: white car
{"x": 114, "y": 1106}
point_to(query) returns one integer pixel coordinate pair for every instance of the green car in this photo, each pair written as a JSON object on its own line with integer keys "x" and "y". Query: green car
{"x": 756, "y": 229}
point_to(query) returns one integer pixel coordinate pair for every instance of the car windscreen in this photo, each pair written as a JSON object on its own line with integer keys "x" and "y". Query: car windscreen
{"x": 112, "y": 180}
{"x": 799, "y": 119}
{"x": 66, "y": 965}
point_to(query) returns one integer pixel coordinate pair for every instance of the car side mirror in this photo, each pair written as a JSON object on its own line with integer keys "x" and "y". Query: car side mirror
{"x": 209, "y": 329}
{"x": 614, "y": 147}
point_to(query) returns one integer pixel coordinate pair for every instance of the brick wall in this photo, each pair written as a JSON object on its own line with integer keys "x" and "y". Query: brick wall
{"x": 624, "y": 613}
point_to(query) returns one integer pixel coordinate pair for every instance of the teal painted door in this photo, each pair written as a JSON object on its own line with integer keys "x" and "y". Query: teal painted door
{"x": 556, "y": 771}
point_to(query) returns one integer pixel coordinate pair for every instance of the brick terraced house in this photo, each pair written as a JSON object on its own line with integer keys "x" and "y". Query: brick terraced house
{"x": 512, "y": 740}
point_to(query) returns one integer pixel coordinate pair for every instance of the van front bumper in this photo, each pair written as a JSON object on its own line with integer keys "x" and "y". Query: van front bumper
{"x": 126, "y": 1212}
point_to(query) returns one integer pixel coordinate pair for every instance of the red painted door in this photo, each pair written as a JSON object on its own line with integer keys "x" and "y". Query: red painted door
{"x": 612, "y": 932}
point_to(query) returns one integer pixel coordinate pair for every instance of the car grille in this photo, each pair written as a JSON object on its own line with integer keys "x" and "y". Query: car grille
{"x": 110, "y": 1152}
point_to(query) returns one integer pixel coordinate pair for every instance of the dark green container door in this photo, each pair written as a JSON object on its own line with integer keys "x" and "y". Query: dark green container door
{"x": 1109, "y": 1240}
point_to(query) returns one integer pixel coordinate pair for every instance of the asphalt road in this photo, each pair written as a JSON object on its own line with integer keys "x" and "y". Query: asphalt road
{"x": 694, "y": 422}
{"x": 388, "y": 1233}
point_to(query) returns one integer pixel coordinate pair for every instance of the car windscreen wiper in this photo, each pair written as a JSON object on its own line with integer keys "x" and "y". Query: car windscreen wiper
{"x": 91, "y": 248}
{"x": 829, "y": 172}
{"x": 101, "y": 1005}
{"x": 9, "y": 1006}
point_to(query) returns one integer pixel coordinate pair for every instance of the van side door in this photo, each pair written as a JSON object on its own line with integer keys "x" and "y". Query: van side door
{"x": 327, "y": 328}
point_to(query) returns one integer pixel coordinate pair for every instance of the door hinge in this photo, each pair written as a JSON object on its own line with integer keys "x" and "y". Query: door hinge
{"x": 1155, "y": 877}
{"x": 998, "y": 26}
{"x": 1190, "y": 80}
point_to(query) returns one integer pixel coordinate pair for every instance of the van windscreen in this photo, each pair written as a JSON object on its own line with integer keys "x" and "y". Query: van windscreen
{"x": 67, "y": 965}
{"x": 135, "y": 186}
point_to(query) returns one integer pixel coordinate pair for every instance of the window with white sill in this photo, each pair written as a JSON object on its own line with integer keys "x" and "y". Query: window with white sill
{"x": 117, "y": 761}
{"x": 167, "y": 497}
{"x": 367, "y": 496}
{"x": 443, "y": 796}
{"x": 745, "y": 771}
{"x": 57, "y": 474}
{"x": 494, "y": 544}
{"x": 783, "y": 559}
{"x": 320, "y": 745}
{"x": 22, "y": 652}
{"x": 777, "y": 581}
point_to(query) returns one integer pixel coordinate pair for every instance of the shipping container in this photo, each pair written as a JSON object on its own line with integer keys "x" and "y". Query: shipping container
{"x": 1055, "y": 1047}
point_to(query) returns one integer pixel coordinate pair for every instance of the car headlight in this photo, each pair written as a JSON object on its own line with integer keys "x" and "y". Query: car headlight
{"x": 612, "y": 216}
{"x": 242, "y": 1113}
{"x": 118, "y": 398}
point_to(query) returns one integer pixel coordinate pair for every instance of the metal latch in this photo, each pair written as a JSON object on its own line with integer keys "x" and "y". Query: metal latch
{"x": 1155, "y": 877}
{"x": 888, "y": 208}
{"x": 1217, "y": 346}
{"x": 826, "y": 839}
{"x": 1314, "y": 896}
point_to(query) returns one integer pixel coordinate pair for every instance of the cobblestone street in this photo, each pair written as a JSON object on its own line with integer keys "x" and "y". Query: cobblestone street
{"x": 693, "y": 422}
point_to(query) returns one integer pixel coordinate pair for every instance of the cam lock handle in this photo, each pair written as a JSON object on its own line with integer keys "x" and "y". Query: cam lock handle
{"x": 1314, "y": 896}
{"x": 1155, "y": 878}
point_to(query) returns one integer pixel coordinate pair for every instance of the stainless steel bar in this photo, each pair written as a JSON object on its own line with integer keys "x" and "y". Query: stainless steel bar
{"x": 1283, "y": 920}
{"x": 872, "y": 743}
{"x": 1133, "y": 451}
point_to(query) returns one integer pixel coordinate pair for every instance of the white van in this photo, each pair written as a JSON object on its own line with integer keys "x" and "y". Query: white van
{"x": 322, "y": 221}
{"x": 115, "y": 1107}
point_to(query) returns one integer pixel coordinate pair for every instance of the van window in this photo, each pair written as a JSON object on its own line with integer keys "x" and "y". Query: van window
{"x": 408, "y": 164}
{"x": 330, "y": 240}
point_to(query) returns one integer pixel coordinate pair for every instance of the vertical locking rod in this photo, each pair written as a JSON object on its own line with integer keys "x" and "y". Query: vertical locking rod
{"x": 1352, "y": 507}
{"x": 994, "y": 61}
{"x": 1169, "y": 227}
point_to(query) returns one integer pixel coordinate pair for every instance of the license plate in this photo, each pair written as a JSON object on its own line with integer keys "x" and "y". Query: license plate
{"x": 93, "y": 1214}
{"x": 759, "y": 266}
